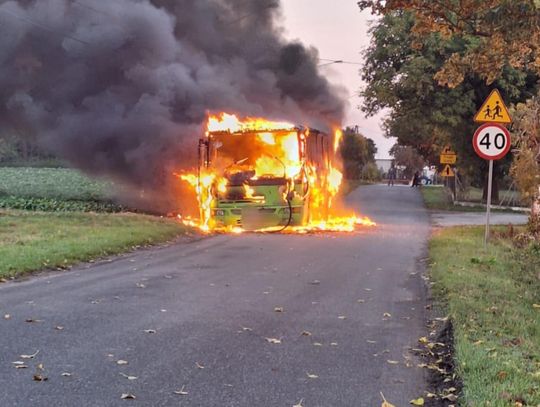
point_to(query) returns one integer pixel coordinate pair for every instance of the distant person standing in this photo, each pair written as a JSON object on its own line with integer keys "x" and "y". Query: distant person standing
{"x": 392, "y": 175}
{"x": 416, "y": 179}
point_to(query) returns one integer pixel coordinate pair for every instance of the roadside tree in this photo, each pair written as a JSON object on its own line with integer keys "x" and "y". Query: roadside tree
{"x": 424, "y": 114}
{"x": 357, "y": 152}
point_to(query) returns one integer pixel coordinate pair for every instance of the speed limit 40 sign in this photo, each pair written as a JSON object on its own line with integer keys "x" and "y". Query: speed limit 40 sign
{"x": 492, "y": 141}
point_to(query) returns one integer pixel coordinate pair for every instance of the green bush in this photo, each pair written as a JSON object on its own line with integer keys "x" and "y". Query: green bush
{"x": 370, "y": 172}
{"x": 57, "y": 205}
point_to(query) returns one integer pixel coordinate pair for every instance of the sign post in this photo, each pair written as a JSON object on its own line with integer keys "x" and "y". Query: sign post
{"x": 491, "y": 142}
{"x": 448, "y": 157}
{"x": 488, "y": 202}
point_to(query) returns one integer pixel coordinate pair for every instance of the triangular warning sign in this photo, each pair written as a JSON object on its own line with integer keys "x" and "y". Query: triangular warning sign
{"x": 447, "y": 171}
{"x": 493, "y": 110}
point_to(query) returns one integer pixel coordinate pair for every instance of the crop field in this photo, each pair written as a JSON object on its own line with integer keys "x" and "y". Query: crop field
{"x": 54, "y": 190}
{"x": 58, "y": 183}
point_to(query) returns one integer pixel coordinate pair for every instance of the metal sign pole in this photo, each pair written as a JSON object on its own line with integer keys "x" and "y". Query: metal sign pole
{"x": 488, "y": 212}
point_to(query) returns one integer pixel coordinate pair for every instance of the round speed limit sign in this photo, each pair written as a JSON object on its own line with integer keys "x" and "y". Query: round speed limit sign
{"x": 492, "y": 141}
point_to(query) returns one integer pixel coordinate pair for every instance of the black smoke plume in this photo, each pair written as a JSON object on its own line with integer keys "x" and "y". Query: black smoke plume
{"x": 122, "y": 88}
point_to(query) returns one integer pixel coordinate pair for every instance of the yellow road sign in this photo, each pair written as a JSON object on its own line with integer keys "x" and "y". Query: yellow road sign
{"x": 447, "y": 150}
{"x": 493, "y": 110}
{"x": 447, "y": 171}
{"x": 448, "y": 158}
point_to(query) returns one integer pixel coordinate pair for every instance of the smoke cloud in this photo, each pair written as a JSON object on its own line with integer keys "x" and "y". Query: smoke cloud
{"x": 122, "y": 88}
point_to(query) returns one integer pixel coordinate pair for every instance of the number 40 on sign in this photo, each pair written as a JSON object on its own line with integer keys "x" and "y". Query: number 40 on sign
{"x": 492, "y": 141}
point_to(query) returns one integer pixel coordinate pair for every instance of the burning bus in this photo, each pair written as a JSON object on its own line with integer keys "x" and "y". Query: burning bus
{"x": 259, "y": 175}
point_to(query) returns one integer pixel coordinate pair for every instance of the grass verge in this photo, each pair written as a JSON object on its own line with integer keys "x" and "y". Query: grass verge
{"x": 492, "y": 298}
{"x": 31, "y": 241}
{"x": 437, "y": 197}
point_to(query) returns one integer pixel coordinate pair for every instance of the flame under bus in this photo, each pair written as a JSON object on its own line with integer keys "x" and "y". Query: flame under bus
{"x": 265, "y": 178}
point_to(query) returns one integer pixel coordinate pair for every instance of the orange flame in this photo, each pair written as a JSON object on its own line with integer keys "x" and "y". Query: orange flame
{"x": 276, "y": 150}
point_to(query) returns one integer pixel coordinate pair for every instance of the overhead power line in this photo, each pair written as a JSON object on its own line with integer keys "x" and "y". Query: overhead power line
{"x": 338, "y": 61}
{"x": 43, "y": 27}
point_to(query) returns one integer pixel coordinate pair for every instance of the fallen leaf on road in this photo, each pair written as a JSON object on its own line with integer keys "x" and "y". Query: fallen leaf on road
{"x": 299, "y": 404}
{"x": 59, "y": 328}
{"x": 20, "y": 366}
{"x": 274, "y": 341}
{"x": 312, "y": 376}
{"x": 245, "y": 329}
{"x": 385, "y": 402}
{"x": 32, "y": 356}
{"x": 278, "y": 309}
{"x": 367, "y": 289}
{"x": 417, "y": 402}
{"x": 121, "y": 362}
{"x": 393, "y": 362}
{"x": 333, "y": 344}
{"x": 450, "y": 397}
{"x": 360, "y": 301}
{"x": 7, "y": 316}
{"x": 430, "y": 395}
{"x": 31, "y": 320}
{"x": 128, "y": 376}
{"x": 317, "y": 344}
{"x": 369, "y": 341}
{"x": 140, "y": 285}
{"x": 40, "y": 378}
{"x": 315, "y": 282}
{"x": 127, "y": 396}
{"x": 181, "y": 392}
{"x": 342, "y": 317}
{"x": 306, "y": 333}
{"x": 66, "y": 374}
{"x": 387, "y": 315}
{"x": 199, "y": 365}
{"x": 423, "y": 340}
{"x": 150, "y": 331}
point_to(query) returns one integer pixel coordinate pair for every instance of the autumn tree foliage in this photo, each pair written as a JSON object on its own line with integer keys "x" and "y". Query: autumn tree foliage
{"x": 495, "y": 42}
{"x": 497, "y": 33}
{"x": 526, "y": 166}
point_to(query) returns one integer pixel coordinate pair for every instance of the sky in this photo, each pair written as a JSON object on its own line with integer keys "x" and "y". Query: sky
{"x": 339, "y": 31}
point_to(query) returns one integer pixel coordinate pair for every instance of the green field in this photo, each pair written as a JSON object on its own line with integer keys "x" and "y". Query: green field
{"x": 58, "y": 183}
{"x": 42, "y": 224}
{"x": 54, "y": 190}
{"x": 493, "y": 299}
{"x": 33, "y": 240}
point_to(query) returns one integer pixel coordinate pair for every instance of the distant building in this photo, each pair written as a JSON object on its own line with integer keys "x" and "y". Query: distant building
{"x": 384, "y": 164}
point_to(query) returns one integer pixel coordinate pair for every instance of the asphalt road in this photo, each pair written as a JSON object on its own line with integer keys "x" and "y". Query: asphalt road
{"x": 212, "y": 306}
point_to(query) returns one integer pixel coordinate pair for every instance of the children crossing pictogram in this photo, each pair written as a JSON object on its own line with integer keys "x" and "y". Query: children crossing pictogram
{"x": 493, "y": 110}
